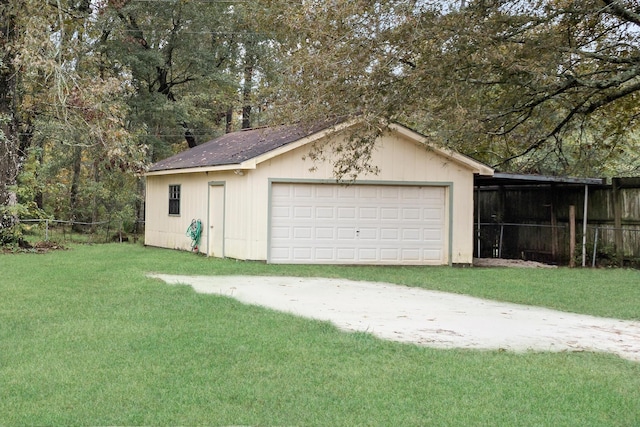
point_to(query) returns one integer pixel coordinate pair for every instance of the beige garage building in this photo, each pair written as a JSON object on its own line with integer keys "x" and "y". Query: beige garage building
{"x": 260, "y": 198}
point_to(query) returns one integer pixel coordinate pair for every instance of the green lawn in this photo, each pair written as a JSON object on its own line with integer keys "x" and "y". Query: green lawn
{"x": 87, "y": 339}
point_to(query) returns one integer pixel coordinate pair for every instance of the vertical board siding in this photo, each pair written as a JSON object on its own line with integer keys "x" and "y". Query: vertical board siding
{"x": 246, "y": 234}
{"x": 523, "y": 216}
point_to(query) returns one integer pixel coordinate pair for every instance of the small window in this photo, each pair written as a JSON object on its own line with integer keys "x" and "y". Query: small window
{"x": 174, "y": 200}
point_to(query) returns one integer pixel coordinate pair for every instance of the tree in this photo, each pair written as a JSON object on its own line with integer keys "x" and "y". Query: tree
{"x": 539, "y": 86}
{"x": 193, "y": 64}
{"x": 59, "y": 93}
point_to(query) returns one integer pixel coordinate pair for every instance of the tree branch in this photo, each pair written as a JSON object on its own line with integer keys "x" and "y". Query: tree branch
{"x": 617, "y": 9}
{"x": 542, "y": 140}
{"x": 611, "y": 97}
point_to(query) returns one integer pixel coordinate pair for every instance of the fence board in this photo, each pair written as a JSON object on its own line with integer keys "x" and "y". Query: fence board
{"x": 533, "y": 222}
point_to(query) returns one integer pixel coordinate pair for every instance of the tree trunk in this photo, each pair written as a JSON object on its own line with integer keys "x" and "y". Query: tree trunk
{"x": 75, "y": 184}
{"x": 10, "y": 159}
{"x": 229, "y": 121}
{"x": 246, "y": 96}
{"x": 249, "y": 64}
{"x": 95, "y": 213}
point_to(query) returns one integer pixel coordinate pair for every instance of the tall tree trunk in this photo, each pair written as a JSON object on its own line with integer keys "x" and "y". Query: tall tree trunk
{"x": 249, "y": 64}
{"x": 246, "y": 97}
{"x": 75, "y": 183}
{"x": 229, "y": 121}
{"x": 10, "y": 159}
{"x": 95, "y": 213}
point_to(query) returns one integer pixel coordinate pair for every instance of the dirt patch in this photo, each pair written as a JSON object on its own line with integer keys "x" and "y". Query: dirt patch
{"x": 430, "y": 318}
{"x": 38, "y": 247}
{"x": 500, "y": 262}
{"x": 42, "y": 247}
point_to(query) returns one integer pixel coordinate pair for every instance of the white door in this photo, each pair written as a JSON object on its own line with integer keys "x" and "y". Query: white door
{"x": 357, "y": 224}
{"x": 215, "y": 233}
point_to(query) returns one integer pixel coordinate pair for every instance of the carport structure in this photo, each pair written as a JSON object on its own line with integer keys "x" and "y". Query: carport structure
{"x": 536, "y": 209}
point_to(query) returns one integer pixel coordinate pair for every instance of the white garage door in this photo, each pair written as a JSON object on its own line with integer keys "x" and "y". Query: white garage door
{"x": 357, "y": 224}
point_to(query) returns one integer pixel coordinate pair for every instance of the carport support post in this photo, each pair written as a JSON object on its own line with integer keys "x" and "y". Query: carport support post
{"x": 478, "y": 213}
{"x": 617, "y": 221}
{"x": 572, "y": 236}
{"x": 584, "y": 226}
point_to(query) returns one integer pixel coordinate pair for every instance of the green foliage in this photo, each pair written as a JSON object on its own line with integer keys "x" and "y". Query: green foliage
{"x": 99, "y": 89}
{"x": 530, "y": 86}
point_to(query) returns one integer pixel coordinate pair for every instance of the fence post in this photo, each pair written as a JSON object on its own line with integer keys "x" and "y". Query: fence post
{"x": 554, "y": 234}
{"x": 572, "y": 235}
{"x": 584, "y": 225}
{"x": 617, "y": 221}
{"x": 595, "y": 248}
{"x": 46, "y": 230}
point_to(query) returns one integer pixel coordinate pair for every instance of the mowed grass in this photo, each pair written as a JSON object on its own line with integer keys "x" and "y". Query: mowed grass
{"x": 87, "y": 339}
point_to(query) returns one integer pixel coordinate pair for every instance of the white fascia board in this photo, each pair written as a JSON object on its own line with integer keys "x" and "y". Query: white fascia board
{"x": 475, "y": 166}
{"x": 250, "y": 164}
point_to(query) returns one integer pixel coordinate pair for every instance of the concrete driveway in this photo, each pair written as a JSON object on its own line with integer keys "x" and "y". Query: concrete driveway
{"x": 423, "y": 317}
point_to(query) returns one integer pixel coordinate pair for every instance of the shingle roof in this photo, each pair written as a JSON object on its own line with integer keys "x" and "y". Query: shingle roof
{"x": 236, "y": 147}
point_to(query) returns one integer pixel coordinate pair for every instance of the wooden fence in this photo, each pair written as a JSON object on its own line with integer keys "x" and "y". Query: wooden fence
{"x": 536, "y": 223}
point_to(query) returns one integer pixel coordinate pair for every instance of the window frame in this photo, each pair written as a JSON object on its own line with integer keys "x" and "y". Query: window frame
{"x": 175, "y": 193}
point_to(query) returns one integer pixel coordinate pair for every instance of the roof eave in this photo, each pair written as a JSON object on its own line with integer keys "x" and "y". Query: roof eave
{"x": 246, "y": 165}
{"x": 475, "y": 166}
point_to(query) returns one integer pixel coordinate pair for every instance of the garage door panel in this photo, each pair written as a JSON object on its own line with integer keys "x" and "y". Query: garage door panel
{"x": 281, "y": 232}
{"x": 346, "y": 213}
{"x": 325, "y": 212}
{"x": 412, "y": 234}
{"x": 390, "y": 193}
{"x": 324, "y": 254}
{"x": 367, "y": 233}
{"x": 346, "y": 233}
{"x": 368, "y": 213}
{"x": 367, "y": 192}
{"x": 432, "y": 235}
{"x": 411, "y": 254}
{"x": 325, "y": 192}
{"x": 433, "y": 214}
{"x": 346, "y": 254}
{"x": 389, "y": 234}
{"x": 390, "y": 254}
{"x": 281, "y": 192}
{"x": 411, "y": 214}
{"x": 303, "y": 233}
{"x": 357, "y": 224}
{"x": 302, "y": 192}
{"x": 348, "y": 192}
{"x": 410, "y": 193}
{"x": 302, "y": 212}
{"x": 281, "y": 212}
{"x": 432, "y": 255}
{"x": 325, "y": 233}
{"x": 302, "y": 254}
{"x": 390, "y": 214}
{"x": 367, "y": 254}
{"x": 280, "y": 252}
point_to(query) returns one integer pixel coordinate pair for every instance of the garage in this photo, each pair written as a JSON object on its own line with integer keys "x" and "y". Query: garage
{"x": 315, "y": 223}
{"x": 261, "y": 196}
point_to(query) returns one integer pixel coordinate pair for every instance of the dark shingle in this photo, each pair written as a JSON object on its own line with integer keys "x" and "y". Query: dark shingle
{"x": 236, "y": 147}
